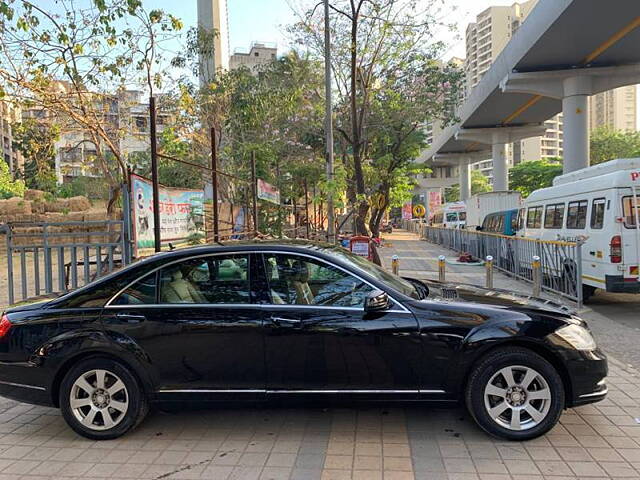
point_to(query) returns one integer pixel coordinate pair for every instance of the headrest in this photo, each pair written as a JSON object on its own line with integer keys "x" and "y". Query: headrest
{"x": 297, "y": 272}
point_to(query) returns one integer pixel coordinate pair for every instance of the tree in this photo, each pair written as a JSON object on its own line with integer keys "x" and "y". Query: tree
{"x": 71, "y": 65}
{"x": 529, "y": 176}
{"x": 609, "y": 144}
{"x": 374, "y": 43}
{"x": 479, "y": 184}
{"x": 36, "y": 141}
{"x": 8, "y": 186}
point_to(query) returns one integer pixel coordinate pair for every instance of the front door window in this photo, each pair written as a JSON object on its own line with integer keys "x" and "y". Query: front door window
{"x": 297, "y": 280}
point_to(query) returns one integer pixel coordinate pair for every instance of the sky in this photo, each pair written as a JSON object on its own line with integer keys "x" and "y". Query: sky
{"x": 264, "y": 20}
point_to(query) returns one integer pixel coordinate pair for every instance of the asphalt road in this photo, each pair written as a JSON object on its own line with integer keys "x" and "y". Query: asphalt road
{"x": 615, "y": 320}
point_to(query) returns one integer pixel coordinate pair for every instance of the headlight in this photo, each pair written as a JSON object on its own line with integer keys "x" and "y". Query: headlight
{"x": 578, "y": 337}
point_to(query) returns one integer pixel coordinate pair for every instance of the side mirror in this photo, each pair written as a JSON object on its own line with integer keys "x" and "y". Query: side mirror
{"x": 377, "y": 301}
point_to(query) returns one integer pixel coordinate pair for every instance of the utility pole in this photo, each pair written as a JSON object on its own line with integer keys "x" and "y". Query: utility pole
{"x": 154, "y": 173}
{"x": 214, "y": 185}
{"x": 331, "y": 234}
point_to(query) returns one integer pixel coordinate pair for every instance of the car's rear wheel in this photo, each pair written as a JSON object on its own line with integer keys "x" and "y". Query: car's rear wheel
{"x": 101, "y": 399}
{"x": 515, "y": 394}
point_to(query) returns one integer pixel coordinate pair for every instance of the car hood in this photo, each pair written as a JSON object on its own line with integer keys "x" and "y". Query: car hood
{"x": 492, "y": 297}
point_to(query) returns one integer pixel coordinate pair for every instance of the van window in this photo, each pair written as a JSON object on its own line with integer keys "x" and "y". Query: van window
{"x": 463, "y": 216}
{"x": 500, "y": 224}
{"x": 597, "y": 213}
{"x": 577, "y": 214}
{"x": 554, "y": 215}
{"x": 628, "y": 213}
{"x": 452, "y": 217}
{"x": 534, "y": 217}
{"x": 514, "y": 222}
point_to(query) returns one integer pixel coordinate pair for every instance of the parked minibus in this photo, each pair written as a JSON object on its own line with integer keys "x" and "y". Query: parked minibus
{"x": 503, "y": 223}
{"x": 597, "y": 205}
{"x": 451, "y": 215}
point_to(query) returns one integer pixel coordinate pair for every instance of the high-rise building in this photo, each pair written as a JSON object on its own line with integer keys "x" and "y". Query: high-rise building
{"x": 213, "y": 20}
{"x": 9, "y": 114}
{"x": 616, "y": 109}
{"x": 485, "y": 39}
{"x": 260, "y": 53}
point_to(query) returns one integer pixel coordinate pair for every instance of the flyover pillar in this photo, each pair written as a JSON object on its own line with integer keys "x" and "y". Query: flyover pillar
{"x": 499, "y": 138}
{"x": 500, "y": 167}
{"x": 465, "y": 179}
{"x": 575, "y": 112}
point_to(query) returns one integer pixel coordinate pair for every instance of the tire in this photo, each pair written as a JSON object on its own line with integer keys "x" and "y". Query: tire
{"x": 488, "y": 383}
{"x": 587, "y": 292}
{"x": 108, "y": 399}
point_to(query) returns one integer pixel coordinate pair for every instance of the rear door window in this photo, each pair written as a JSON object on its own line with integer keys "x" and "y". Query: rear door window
{"x": 220, "y": 279}
{"x": 628, "y": 211}
{"x": 598, "y": 208}
{"x": 142, "y": 292}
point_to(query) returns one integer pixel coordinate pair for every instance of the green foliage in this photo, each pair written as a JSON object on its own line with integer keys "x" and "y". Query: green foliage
{"x": 529, "y": 176}
{"x": 90, "y": 187}
{"x": 8, "y": 186}
{"x": 608, "y": 144}
{"x": 170, "y": 172}
{"x": 479, "y": 184}
{"x": 36, "y": 141}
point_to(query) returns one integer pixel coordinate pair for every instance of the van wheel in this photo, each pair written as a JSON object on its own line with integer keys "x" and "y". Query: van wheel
{"x": 101, "y": 399}
{"x": 587, "y": 292}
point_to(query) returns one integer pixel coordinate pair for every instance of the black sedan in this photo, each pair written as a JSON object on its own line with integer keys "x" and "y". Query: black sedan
{"x": 254, "y": 321}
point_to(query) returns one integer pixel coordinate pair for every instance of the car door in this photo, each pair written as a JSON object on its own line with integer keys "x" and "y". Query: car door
{"x": 197, "y": 323}
{"x": 318, "y": 338}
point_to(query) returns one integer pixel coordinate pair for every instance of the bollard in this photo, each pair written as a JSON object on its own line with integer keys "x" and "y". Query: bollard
{"x": 441, "y": 271}
{"x": 537, "y": 277}
{"x": 489, "y": 266}
{"x": 395, "y": 265}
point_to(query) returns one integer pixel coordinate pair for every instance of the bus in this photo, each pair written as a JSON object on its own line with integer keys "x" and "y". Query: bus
{"x": 598, "y": 206}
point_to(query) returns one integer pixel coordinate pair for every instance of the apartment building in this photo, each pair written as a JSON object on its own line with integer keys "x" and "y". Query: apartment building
{"x": 125, "y": 116}
{"x": 9, "y": 114}
{"x": 485, "y": 40}
{"x": 616, "y": 109}
{"x": 260, "y": 53}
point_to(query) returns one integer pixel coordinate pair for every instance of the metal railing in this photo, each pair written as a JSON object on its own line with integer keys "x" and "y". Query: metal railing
{"x": 44, "y": 258}
{"x": 560, "y": 263}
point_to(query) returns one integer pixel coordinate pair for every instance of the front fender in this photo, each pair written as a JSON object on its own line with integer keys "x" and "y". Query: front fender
{"x": 480, "y": 340}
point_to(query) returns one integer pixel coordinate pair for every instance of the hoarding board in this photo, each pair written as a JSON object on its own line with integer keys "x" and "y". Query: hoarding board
{"x": 181, "y": 212}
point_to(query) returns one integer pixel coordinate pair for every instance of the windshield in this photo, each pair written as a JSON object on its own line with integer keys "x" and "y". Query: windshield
{"x": 397, "y": 283}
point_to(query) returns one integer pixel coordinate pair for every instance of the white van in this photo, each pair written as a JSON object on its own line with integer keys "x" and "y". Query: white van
{"x": 451, "y": 215}
{"x": 596, "y": 205}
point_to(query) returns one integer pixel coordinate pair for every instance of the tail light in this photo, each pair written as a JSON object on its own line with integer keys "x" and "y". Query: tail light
{"x": 616, "y": 249}
{"x": 5, "y": 325}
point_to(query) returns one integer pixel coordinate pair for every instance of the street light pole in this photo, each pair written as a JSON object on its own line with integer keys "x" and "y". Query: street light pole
{"x": 331, "y": 234}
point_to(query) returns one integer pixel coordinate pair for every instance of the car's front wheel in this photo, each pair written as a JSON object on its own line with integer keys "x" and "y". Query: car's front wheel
{"x": 515, "y": 394}
{"x": 101, "y": 399}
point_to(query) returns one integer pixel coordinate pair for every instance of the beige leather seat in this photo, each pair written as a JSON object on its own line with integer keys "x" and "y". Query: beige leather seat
{"x": 180, "y": 290}
{"x": 298, "y": 277}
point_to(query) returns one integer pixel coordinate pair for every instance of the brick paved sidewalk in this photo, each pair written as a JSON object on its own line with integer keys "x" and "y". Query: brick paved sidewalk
{"x": 600, "y": 441}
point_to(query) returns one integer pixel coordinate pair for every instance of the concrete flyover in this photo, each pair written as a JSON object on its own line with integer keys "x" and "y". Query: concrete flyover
{"x": 565, "y": 51}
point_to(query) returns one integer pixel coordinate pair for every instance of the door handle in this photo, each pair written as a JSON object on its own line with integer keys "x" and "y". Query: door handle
{"x": 130, "y": 317}
{"x": 289, "y": 321}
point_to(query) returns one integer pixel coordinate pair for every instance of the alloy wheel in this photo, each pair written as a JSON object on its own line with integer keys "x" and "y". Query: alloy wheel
{"x": 99, "y": 399}
{"x": 517, "y": 398}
